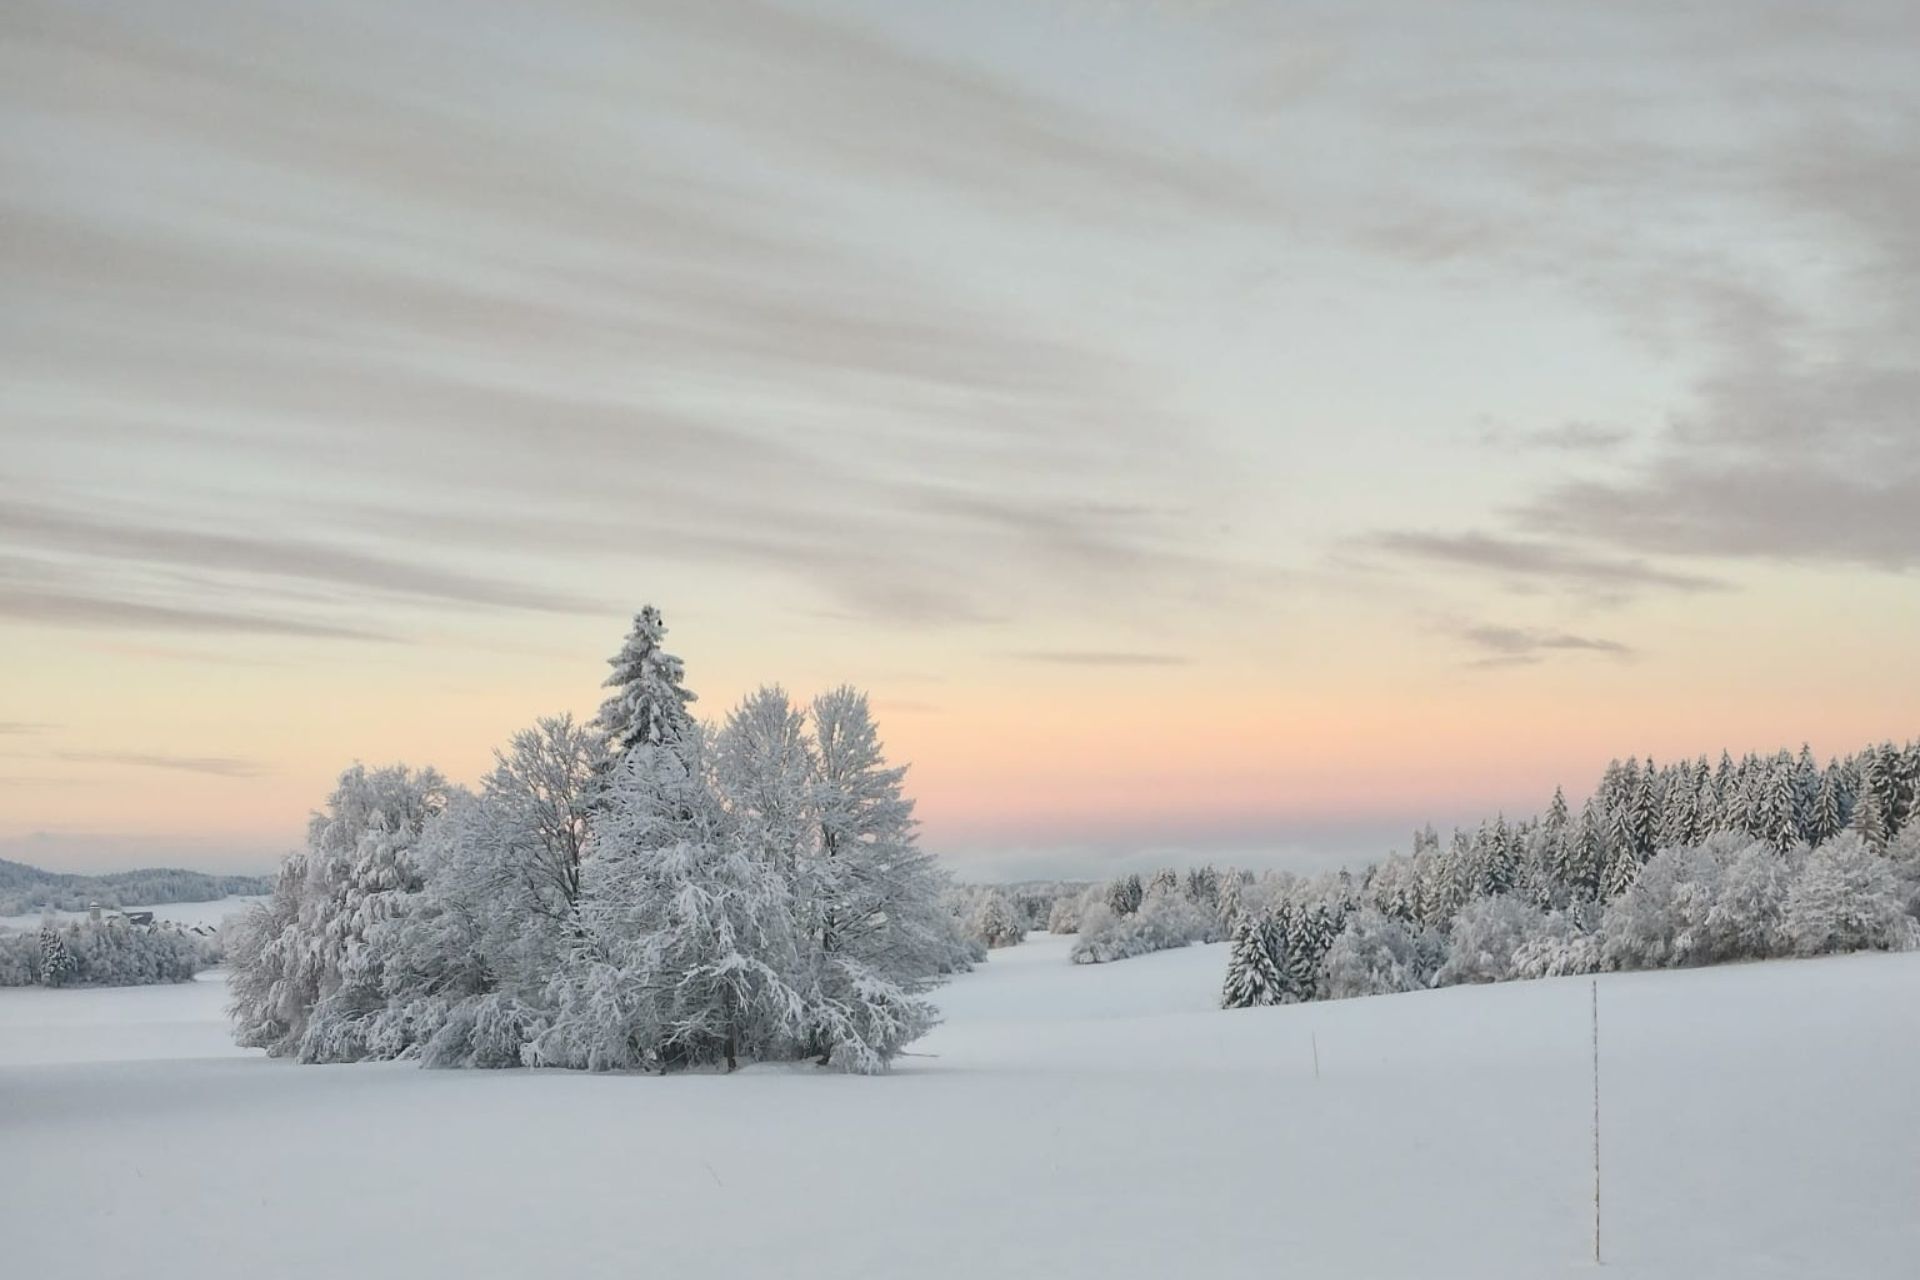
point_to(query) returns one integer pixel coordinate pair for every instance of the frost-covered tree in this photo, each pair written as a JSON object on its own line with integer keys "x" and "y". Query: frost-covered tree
{"x": 1746, "y": 919}
{"x": 1621, "y": 870}
{"x": 690, "y": 954}
{"x": 1254, "y": 961}
{"x": 1202, "y": 887}
{"x": 538, "y": 800}
{"x": 884, "y": 904}
{"x": 1166, "y": 919}
{"x": 1870, "y": 803}
{"x": 994, "y": 920}
{"x": 1846, "y": 899}
{"x": 464, "y": 968}
{"x": 1563, "y": 944}
{"x": 648, "y": 706}
{"x": 305, "y": 952}
{"x": 1663, "y": 919}
{"x": 1376, "y": 954}
{"x": 1124, "y": 895}
{"x": 1064, "y": 917}
{"x": 56, "y": 959}
{"x": 1484, "y": 937}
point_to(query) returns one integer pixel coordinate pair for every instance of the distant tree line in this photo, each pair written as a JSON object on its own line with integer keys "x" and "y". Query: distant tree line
{"x": 26, "y": 890}
{"x": 1685, "y": 864}
{"x": 111, "y": 952}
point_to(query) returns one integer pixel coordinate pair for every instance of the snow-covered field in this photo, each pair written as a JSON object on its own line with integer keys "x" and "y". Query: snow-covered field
{"x": 1067, "y": 1121}
{"x": 183, "y": 913}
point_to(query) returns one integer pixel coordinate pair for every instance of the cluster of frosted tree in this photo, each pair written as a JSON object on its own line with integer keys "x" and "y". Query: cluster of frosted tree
{"x": 988, "y": 916}
{"x": 25, "y": 890}
{"x": 1683, "y": 865}
{"x": 641, "y": 892}
{"x": 102, "y": 953}
{"x": 1131, "y": 916}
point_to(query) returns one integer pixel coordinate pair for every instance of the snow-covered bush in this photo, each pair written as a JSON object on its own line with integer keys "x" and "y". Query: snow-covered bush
{"x": 19, "y": 958}
{"x": 1164, "y": 919}
{"x": 1484, "y": 938}
{"x": 1903, "y": 854}
{"x": 1748, "y": 913}
{"x": 1566, "y": 943}
{"x": 1847, "y": 898}
{"x": 1664, "y": 918}
{"x": 992, "y": 919}
{"x": 1375, "y": 954}
{"x": 1065, "y": 916}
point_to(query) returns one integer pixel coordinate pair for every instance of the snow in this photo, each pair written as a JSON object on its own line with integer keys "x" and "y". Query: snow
{"x": 181, "y": 913}
{"x": 1066, "y": 1121}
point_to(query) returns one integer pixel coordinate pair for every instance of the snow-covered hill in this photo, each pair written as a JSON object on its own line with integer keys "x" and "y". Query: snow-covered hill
{"x": 1100, "y": 1121}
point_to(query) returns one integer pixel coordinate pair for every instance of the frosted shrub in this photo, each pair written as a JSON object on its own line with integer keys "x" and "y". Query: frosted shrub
{"x": 1164, "y": 919}
{"x": 1746, "y": 920}
{"x": 19, "y": 958}
{"x": 1903, "y": 854}
{"x": 485, "y": 1031}
{"x": 1376, "y": 954}
{"x": 1065, "y": 915}
{"x": 995, "y": 921}
{"x": 1485, "y": 935}
{"x": 1566, "y": 944}
{"x": 1846, "y": 899}
{"x": 1662, "y": 920}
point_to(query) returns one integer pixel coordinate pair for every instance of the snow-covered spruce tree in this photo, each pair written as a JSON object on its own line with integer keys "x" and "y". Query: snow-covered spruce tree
{"x": 690, "y": 955}
{"x": 302, "y": 980}
{"x": 1253, "y": 966}
{"x": 1124, "y": 895}
{"x": 1829, "y": 810}
{"x": 1622, "y": 869}
{"x": 648, "y": 706}
{"x": 1498, "y": 864}
{"x": 56, "y": 959}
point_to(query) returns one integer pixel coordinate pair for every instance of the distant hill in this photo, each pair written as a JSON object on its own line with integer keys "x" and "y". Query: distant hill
{"x": 25, "y": 889}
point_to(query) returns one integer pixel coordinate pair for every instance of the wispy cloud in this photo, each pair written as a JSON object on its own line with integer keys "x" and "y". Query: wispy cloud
{"x": 1567, "y": 437}
{"x": 1102, "y": 658}
{"x": 1535, "y": 562}
{"x": 1505, "y": 646}
{"x": 22, "y": 728}
{"x": 46, "y": 529}
{"x": 64, "y": 609}
{"x": 215, "y": 766}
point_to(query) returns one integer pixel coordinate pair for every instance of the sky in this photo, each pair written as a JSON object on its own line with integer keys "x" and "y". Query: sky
{"x": 1220, "y": 430}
